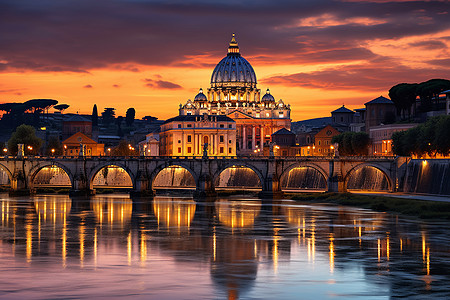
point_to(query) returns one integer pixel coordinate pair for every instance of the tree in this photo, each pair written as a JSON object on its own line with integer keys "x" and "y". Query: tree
{"x": 119, "y": 121}
{"x": 352, "y": 143}
{"x": 124, "y": 149}
{"x": 94, "y": 116}
{"x": 429, "y": 91}
{"x": 55, "y": 144}
{"x": 61, "y": 107}
{"x": 442, "y": 136}
{"x": 26, "y": 135}
{"x": 130, "y": 115}
{"x": 404, "y": 96}
{"x": 36, "y": 106}
{"x": 108, "y": 115}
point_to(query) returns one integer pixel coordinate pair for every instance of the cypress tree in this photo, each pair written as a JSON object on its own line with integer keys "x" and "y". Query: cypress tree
{"x": 94, "y": 116}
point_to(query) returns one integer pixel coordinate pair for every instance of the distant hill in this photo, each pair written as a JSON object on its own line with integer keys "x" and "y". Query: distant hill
{"x": 311, "y": 123}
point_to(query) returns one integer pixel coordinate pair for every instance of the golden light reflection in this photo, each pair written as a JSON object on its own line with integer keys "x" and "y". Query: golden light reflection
{"x": 424, "y": 245}
{"x": 401, "y": 245}
{"x": 275, "y": 251}
{"x": 53, "y": 210}
{"x": 174, "y": 213}
{"x": 387, "y": 248}
{"x": 112, "y": 212}
{"x": 379, "y": 250}
{"x": 82, "y": 237}
{"x": 64, "y": 243}
{"x": 214, "y": 244}
{"x": 29, "y": 237}
{"x": 143, "y": 250}
{"x": 238, "y": 214}
{"x": 331, "y": 253}
{"x": 95, "y": 246}
{"x": 129, "y": 248}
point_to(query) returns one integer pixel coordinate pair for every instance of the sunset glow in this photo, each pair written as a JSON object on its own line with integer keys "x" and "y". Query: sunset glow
{"x": 152, "y": 55}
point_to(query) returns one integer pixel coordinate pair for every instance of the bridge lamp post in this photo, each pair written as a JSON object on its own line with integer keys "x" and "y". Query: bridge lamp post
{"x": 5, "y": 151}
{"x": 53, "y": 151}
{"x": 109, "y": 151}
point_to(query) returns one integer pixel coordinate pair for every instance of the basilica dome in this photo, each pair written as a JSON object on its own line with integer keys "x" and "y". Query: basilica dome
{"x": 233, "y": 70}
{"x": 200, "y": 96}
{"x": 268, "y": 97}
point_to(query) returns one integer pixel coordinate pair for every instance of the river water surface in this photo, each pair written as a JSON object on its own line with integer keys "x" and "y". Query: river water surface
{"x": 54, "y": 247}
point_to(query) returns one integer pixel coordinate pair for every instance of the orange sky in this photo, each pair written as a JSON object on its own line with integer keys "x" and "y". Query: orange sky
{"x": 314, "y": 58}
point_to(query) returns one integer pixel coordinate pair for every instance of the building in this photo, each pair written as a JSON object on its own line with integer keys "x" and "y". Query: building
{"x": 189, "y": 135}
{"x": 322, "y": 141}
{"x": 77, "y": 123}
{"x": 150, "y": 146}
{"x": 381, "y": 138}
{"x": 342, "y": 116}
{"x": 72, "y": 146}
{"x": 234, "y": 93}
{"x": 379, "y": 111}
{"x": 447, "y": 102}
{"x": 284, "y": 143}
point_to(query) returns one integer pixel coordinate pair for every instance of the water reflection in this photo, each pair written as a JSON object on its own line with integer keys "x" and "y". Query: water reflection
{"x": 237, "y": 213}
{"x": 233, "y": 249}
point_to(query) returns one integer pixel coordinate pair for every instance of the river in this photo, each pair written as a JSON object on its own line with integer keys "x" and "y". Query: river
{"x": 54, "y": 247}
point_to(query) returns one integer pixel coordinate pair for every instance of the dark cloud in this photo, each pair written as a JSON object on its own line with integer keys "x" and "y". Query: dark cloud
{"x": 162, "y": 84}
{"x": 88, "y": 86}
{"x": 81, "y": 35}
{"x": 429, "y": 44}
{"x": 444, "y": 63}
{"x": 116, "y": 85}
{"x": 380, "y": 75}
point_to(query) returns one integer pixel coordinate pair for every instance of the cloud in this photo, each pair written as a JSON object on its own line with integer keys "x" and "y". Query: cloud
{"x": 88, "y": 86}
{"x": 78, "y": 36}
{"x": 380, "y": 74}
{"x": 161, "y": 84}
{"x": 116, "y": 85}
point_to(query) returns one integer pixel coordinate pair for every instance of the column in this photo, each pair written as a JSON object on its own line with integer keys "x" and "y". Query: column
{"x": 261, "y": 142}
{"x": 253, "y": 137}
{"x": 216, "y": 147}
{"x": 244, "y": 137}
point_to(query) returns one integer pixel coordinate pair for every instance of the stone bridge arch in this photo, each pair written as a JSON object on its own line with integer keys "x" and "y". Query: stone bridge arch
{"x": 104, "y": 164}
{"x": 304, "y": 164}
{"x": 7, "y": 171}
{"x": 157, "y": 170}
{"x": 223, "y": 167}
{"x": 35, "y": 170}
{"x": 376, "y": 166}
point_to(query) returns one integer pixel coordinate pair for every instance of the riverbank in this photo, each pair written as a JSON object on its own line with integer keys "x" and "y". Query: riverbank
{"x": 424, "y": 209}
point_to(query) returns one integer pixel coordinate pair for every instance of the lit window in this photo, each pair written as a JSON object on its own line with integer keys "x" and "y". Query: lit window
{"x": 179, "y": 149}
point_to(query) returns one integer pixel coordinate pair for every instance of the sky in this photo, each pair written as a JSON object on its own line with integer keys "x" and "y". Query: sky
{"x": 316, "y": 55}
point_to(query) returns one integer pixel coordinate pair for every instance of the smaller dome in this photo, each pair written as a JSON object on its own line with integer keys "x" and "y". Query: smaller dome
{"x": 268, "y": 97}
{"x": 200, "y": 96}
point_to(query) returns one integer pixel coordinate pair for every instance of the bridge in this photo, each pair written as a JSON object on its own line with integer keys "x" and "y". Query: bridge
{"x": 335, "y": 171}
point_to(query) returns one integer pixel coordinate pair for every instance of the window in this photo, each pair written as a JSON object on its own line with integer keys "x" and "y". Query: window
{"x": 319, "y": 143}
{"x": 221, "y": 138}
{"x": 179, "y": 149}
{"x": 179, "y": 125}
{"x": 189, "y": 139}
{"x": 230, "y": 126}
{"x": 221, "y": 150}
{"x": 189, "y": 125}
{"x": 230, "y": 151}
{"x": 189, "y": 150}
{"x": 222, "y": 125}
{"x": 229, "y": 141}
{"x": 179, "y": 141}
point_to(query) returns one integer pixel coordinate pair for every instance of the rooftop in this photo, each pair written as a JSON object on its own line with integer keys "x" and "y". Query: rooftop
{"x": 380, "y": 100}
{"x": 343, "y": 109}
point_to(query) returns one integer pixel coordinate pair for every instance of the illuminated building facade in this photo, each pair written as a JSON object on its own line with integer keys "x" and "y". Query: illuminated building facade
{"x": 234, "y": 93}
{"x": 71, "y": 146}
{"x": 187, "y": 136}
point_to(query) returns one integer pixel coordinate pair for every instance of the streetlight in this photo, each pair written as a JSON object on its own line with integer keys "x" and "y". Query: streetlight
{"x": 53, "y": 151}
{"x": 109, "y": 151}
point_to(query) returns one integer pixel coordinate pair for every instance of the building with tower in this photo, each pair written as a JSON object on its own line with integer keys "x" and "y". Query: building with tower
{"x": 234, "y": 93}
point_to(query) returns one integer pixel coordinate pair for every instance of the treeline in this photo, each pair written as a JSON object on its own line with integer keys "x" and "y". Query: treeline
{"x": 429, "y": 138}
{"x": 352, "y": 143}
{"x": 15, "y": 112}
{"x": 404, "y": 96}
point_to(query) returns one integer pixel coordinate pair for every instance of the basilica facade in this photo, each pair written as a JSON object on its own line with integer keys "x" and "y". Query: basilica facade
{"x": 234, "y": 94}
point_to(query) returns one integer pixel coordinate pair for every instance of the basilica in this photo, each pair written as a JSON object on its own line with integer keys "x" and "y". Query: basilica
{"x": 245, "y": 121}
